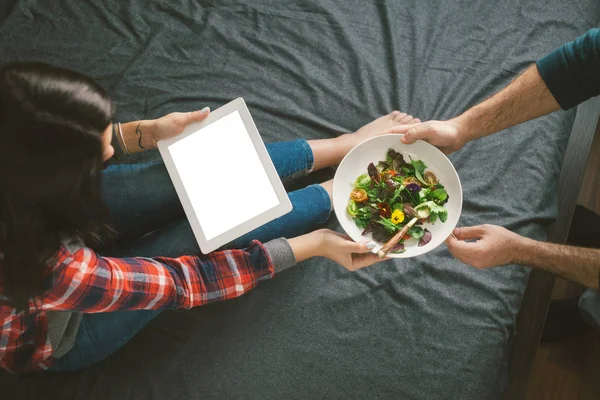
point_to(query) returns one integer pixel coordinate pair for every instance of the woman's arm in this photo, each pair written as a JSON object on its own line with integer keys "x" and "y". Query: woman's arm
{"x": 134, "y": 137}
{"x": 85, "y": 281}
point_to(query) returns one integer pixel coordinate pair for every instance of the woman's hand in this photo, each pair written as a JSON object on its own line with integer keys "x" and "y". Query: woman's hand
{"x": 143, "y": 135}
{"x": 346, "y": 252}
{"x": 334, "y": 246}
{"x": 173, "y": 124}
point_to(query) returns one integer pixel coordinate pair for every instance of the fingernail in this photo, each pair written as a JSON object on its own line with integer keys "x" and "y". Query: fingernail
{"x": 371, "y": 245}
{"x": 205, "y": 110}
{"x": 404, "y": 138}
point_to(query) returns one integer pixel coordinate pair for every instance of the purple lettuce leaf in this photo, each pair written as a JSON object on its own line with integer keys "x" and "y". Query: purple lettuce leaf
{"x": 373, "y": 173}
{"x": 398, "y": 248}
{"x": 425, "y": 239}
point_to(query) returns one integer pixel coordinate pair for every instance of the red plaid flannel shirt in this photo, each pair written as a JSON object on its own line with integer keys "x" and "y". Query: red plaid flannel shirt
{"x": 85, "y": 281}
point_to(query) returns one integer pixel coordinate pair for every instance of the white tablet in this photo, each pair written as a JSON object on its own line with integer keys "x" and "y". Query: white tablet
{"x": 224, "y": 176}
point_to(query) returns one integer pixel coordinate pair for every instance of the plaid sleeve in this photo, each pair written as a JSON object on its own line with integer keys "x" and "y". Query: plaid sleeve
{"x": 85, "y": 281}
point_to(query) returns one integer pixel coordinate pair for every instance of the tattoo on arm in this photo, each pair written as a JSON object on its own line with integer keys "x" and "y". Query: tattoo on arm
{"x": 140, "y": 134}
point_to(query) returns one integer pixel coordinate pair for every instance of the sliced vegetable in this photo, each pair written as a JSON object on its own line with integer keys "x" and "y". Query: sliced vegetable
{"x": 359, "y": 195}
{"x": 363, "y": 181}
{"x": 352, "y": 208}
{"x": 430, "y": 178}
{"x": 410, "y": 180}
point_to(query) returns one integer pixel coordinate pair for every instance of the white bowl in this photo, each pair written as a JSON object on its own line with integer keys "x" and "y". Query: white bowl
{"x": 374, "y": 150}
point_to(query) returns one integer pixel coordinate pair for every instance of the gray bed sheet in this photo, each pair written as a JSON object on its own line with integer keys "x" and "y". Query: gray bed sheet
{"x": 425, "y": 328}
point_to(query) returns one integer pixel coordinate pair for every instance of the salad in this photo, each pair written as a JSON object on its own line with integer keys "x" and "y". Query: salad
{"x": 391, "y": 194}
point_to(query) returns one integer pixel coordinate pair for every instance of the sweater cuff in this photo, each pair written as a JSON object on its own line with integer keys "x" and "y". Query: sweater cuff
{"x": 116, "y": 143}
{"x": 558, "y": 77}
{"x": 281, "y": 254}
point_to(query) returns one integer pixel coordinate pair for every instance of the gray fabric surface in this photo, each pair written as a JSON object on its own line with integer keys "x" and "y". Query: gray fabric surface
{"x": 63, "y": 325}
{"x": 281, "y": 254}
{"x": 62, "y": 330}
{"x": 426, "y": 328}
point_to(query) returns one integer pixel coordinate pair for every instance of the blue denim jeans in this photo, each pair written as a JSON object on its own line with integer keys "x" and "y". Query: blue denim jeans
{"x": 150, "y": 221}
{"x": 589, "y": 308}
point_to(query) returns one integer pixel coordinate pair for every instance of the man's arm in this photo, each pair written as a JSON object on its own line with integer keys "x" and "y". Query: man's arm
{"x": 495, "y": 246}
{"x": 526, "y": 98}
{"x": 564, "y": 78}
{"x": 576, "y": 264}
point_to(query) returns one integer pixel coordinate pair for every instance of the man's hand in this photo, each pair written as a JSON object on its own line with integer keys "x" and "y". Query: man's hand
{"x": 493, "y": 245}
{"x": 173, "y": 124}
{"x": 444, "y": 135}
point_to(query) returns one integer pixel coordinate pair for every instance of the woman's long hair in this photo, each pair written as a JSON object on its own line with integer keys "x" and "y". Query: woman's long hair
{"x": 51, "y": 125}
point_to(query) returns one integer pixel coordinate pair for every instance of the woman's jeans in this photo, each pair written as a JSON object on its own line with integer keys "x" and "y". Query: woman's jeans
{"x": 150, "y": 221}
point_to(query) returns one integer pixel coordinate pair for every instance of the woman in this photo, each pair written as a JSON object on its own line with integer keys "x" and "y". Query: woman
{"x": 63, "y": 306}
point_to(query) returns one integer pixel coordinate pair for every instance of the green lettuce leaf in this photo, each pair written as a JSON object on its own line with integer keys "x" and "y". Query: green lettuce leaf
{"x": 416, "y": 231}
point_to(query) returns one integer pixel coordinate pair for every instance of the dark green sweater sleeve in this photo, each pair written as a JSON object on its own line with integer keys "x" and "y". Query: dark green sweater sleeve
{"x": 572, "y": 72}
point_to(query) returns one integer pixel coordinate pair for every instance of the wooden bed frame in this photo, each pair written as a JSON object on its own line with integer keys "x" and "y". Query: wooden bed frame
{"x": 532, "y": 314}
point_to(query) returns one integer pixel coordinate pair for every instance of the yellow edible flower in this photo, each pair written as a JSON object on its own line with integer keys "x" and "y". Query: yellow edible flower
{"x": 397, "y": 217}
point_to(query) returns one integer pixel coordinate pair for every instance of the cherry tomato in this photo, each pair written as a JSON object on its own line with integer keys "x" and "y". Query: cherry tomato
{"x": 409, "y": 180}
{"x": 430, "y": 178}
{"x": 359, "y": 195}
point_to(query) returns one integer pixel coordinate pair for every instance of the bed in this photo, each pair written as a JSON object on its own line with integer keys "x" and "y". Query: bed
{"x": 426, "y": 328}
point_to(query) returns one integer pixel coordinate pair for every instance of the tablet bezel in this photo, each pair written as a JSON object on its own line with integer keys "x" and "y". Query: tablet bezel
{"x": 284, "y": 207}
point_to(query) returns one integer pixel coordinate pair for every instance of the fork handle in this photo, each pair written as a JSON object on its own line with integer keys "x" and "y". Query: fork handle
{"x": 393, "y": 241}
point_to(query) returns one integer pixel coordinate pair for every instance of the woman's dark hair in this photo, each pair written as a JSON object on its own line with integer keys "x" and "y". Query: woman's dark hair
{"x": 51, "y": 125}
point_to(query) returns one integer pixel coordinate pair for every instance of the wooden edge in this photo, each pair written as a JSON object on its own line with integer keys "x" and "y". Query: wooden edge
{"x": 536, "y": 299}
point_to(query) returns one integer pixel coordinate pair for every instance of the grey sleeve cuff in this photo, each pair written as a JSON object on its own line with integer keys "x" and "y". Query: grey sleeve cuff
{"x": 281, "y": 254}
{"x": 119, "y": 153}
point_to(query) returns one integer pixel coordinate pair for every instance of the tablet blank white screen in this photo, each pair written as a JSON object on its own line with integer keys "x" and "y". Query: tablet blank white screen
{"x": 223, "y": 175}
